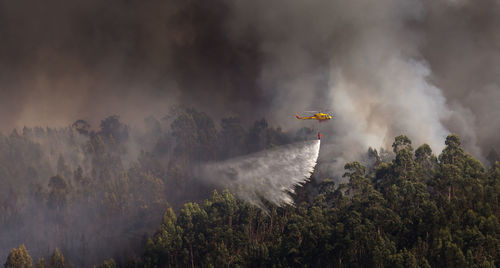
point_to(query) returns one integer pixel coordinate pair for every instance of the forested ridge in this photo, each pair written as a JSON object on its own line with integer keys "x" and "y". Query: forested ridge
{"x": 413, "y": 210}
{"x": 94, "y": 192}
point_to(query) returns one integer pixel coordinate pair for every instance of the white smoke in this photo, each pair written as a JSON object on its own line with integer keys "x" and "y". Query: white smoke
{"x": 270, "y": 174}
{"x": 361, "y": 59}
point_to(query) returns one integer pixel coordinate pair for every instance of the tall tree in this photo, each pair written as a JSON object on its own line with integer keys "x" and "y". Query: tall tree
{"x": 19, "y": 258}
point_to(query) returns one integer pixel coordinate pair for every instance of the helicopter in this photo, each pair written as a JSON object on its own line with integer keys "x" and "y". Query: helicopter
{"x": 321, "y": 117}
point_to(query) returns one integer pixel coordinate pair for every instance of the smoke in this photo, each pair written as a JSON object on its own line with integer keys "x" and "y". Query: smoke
{"x": 462, "y": 47}
{"x": 64, "y": 61}
{"x": 271, "y": 174}
{"x": 423, "y": 68}
{"x": 416, "y": 67}
{"x": 385, "y": 68}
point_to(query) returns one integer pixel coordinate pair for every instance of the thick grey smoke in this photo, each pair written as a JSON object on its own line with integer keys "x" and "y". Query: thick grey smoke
{"x": 419, "y": 67}
{"x": 372, "y": 63}
{"x": 271, "y": 174}
{"x": 461, "y": 42}
{"x": 61, "y": 61}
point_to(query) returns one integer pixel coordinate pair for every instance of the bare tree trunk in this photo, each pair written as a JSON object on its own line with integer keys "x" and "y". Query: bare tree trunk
{"x": 449, "y": 193}
{"x": 191, "y": 252}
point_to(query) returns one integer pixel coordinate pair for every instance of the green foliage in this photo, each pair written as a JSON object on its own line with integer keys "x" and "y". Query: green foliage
{"x": 108, "y": 264}
{"x": 57, "y": 259}
{"x": 231, "y": 138}
{"x": 195, "y": 135}
{"x": 58, "y": 191}
{"x": 412, "y": 210}
{"x": 41, "y": 263}
{"x": 19, "y": 258}
{"x": 396, "y": 215}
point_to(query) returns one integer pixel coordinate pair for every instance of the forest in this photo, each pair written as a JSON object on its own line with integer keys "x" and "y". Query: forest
{"x": 120, "y": 196}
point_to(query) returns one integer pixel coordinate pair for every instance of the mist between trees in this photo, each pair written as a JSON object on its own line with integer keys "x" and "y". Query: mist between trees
{"x": 79, "y": 197}
{"x": 96, "y": 193}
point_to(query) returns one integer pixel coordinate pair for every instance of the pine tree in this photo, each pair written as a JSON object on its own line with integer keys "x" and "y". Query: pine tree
{"x": 19, "y": 258}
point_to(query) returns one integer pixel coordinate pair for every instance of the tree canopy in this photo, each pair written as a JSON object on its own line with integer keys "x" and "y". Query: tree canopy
{"x": 103, "y": 202}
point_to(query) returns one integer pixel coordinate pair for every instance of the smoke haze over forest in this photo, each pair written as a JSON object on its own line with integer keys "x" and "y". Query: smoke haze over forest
{"x": 423, "y": 68}
{"x": 220, "y": 81}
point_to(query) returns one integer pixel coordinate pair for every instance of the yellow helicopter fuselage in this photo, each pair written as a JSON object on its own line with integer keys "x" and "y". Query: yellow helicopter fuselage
{"x": 318, "y": 116}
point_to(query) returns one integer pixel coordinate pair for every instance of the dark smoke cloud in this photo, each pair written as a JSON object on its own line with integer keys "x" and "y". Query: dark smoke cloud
{"x": 462, "y": 46}
{"x": 423, "y": 68}
{"x": 63, "y": 60}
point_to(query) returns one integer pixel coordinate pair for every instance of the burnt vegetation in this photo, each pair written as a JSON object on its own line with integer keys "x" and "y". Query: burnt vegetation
{"x": 119, "y": 197}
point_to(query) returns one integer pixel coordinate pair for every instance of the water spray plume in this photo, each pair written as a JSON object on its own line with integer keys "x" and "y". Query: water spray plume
{"x": 271, "y": 174}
